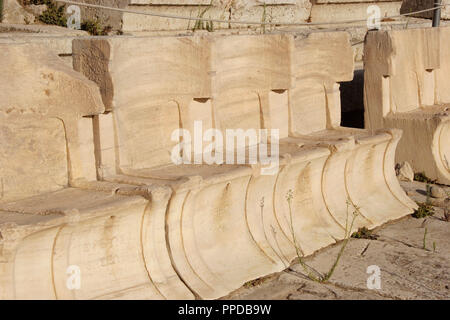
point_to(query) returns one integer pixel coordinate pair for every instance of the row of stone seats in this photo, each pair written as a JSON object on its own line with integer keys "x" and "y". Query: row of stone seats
{"x": 406, "y": 86}
{"x": 95, "y": 186}
{"x": 156, "y": 85}
{"x": 46, "y": 143}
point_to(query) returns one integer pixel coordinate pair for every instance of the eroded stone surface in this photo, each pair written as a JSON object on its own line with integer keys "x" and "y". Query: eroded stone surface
{"x": 406, "y": 87}
{"x": 405, "y": 172}
{"x": 196, "y": 230}
{"x": 13, "y": 12}
{"x": 214, "y": 77}
{"x": 407, "y": 270}
{"x": 53, "y": 212}
{"x": 417, "y": 5}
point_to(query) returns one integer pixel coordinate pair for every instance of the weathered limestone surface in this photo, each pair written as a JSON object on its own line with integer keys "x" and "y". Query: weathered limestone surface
{"x": 88, "y": 179}
{"x": 226, "y": 238}
{"x": 55, "y": 94}
{"x": 53, "y": 213}
{"x": 13, "y": 12}
{"x": 296, "y": 11}
{"x": 106, "y": 17}
{"x": 253, "y": 10}
{"x": 408, "y": 270}
{"x": 41, "y": 29}
{"x": 275, "y": 10}
{"x": 290, "y": 11}
{"x": 407, "y": 87}
{"x": 417, "y": 5}
{"x": 59, "y": 45}
{"x": 57, "y": 39}
{"x": 341, "y": 10}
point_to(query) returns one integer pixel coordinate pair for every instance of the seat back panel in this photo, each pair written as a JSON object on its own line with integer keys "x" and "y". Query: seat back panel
{"x": 33, "y": 156}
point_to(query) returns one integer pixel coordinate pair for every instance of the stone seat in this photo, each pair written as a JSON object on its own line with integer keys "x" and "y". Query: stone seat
{"x": 365, "y": 156}
{"x": 200, "y": 192}
{"x": 93, "y": 186}
{"x": 136, "y": 224}
{"x": 54, "y": 215}
{"x": 44, "y": 225}
{"x": 174, "y": 174}
{"x": 227, "y": 224}
{"x": 62, "y": 202}
{"x": 406, "y": 87}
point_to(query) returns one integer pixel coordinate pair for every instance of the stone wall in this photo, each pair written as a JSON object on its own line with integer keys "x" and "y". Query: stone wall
{"x": 341, "y": 10}
{"x": 286, "y": 11}
{"x": 253, "y": 10}
{"x": 13, "y": 12}
{"x": 416, "y": 5}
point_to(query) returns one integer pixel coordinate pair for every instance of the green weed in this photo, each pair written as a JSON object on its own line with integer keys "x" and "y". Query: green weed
{"x": 54, "y": 14}
{"x": 203, "y": 25}
{"x": 364, "y": 233}
{"x": 311, "y": 273}
{"x": 421, "y": 177}
{"x": 425, "y": 239}
{"x": 95, "y": 28}
{"x": 423, "y": 211}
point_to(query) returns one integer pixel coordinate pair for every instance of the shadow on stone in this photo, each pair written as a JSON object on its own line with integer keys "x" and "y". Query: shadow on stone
{"x": 352, "y": 101}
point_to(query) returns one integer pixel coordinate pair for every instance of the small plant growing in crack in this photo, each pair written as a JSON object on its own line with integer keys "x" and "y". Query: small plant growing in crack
{"x": 364, "y": 233}
{"x": 261, "y": 205}
{"x": 421, "y": 177}
{"x": 263, "y": 19}
{"x": 201, "y": 24}
{"x": 54, "y": 14}
{"x": 423, "y": 211}
{"x": 95, "y": 28}
{"x": 256, "y": 282}
{"x": 312, "y": 273}
{"x": 266, "y": 18}
{"x": 425, "y": 239}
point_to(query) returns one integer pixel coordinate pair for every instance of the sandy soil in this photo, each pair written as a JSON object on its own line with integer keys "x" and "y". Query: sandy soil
{"x": 407, "y": 270}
